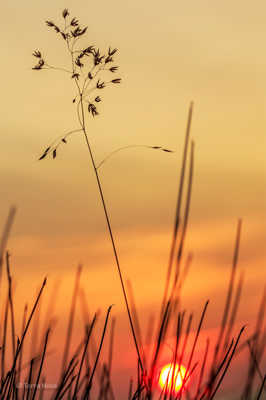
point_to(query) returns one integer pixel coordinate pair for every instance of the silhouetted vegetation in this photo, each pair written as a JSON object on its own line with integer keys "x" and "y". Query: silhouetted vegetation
{"x": 22, "y": 379}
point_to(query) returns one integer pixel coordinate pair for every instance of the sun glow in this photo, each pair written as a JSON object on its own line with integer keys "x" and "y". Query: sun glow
{"x": 172, "y": 381}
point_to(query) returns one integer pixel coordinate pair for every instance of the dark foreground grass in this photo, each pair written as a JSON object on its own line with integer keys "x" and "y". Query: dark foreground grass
{"x": 24, "y": 376}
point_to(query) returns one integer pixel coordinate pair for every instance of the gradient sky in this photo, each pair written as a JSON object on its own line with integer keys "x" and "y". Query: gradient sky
{"x": 170, "y": 53}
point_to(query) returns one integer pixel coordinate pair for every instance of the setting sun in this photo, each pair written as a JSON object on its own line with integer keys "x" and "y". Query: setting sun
{"x": 167, "y": 381}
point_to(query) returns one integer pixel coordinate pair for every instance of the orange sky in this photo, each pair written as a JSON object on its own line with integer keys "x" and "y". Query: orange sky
{"x": 169, "y": 54}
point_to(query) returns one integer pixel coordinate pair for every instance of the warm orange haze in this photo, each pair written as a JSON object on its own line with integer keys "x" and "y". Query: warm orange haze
{"x": 101, "y": 227}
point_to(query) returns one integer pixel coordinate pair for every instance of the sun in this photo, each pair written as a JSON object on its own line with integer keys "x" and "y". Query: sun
{"x": 169, "y": 380}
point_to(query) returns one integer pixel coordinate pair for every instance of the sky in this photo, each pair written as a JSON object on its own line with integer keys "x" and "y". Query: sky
{"x": 170, "y": 54}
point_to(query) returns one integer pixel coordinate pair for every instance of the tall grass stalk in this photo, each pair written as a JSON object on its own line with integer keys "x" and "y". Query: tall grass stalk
{"x": 83, "y": 86}
{"x": 178, "y": 209}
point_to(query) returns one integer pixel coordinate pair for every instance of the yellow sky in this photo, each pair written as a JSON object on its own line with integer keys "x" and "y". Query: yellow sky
{"x": 170, "y": 53}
